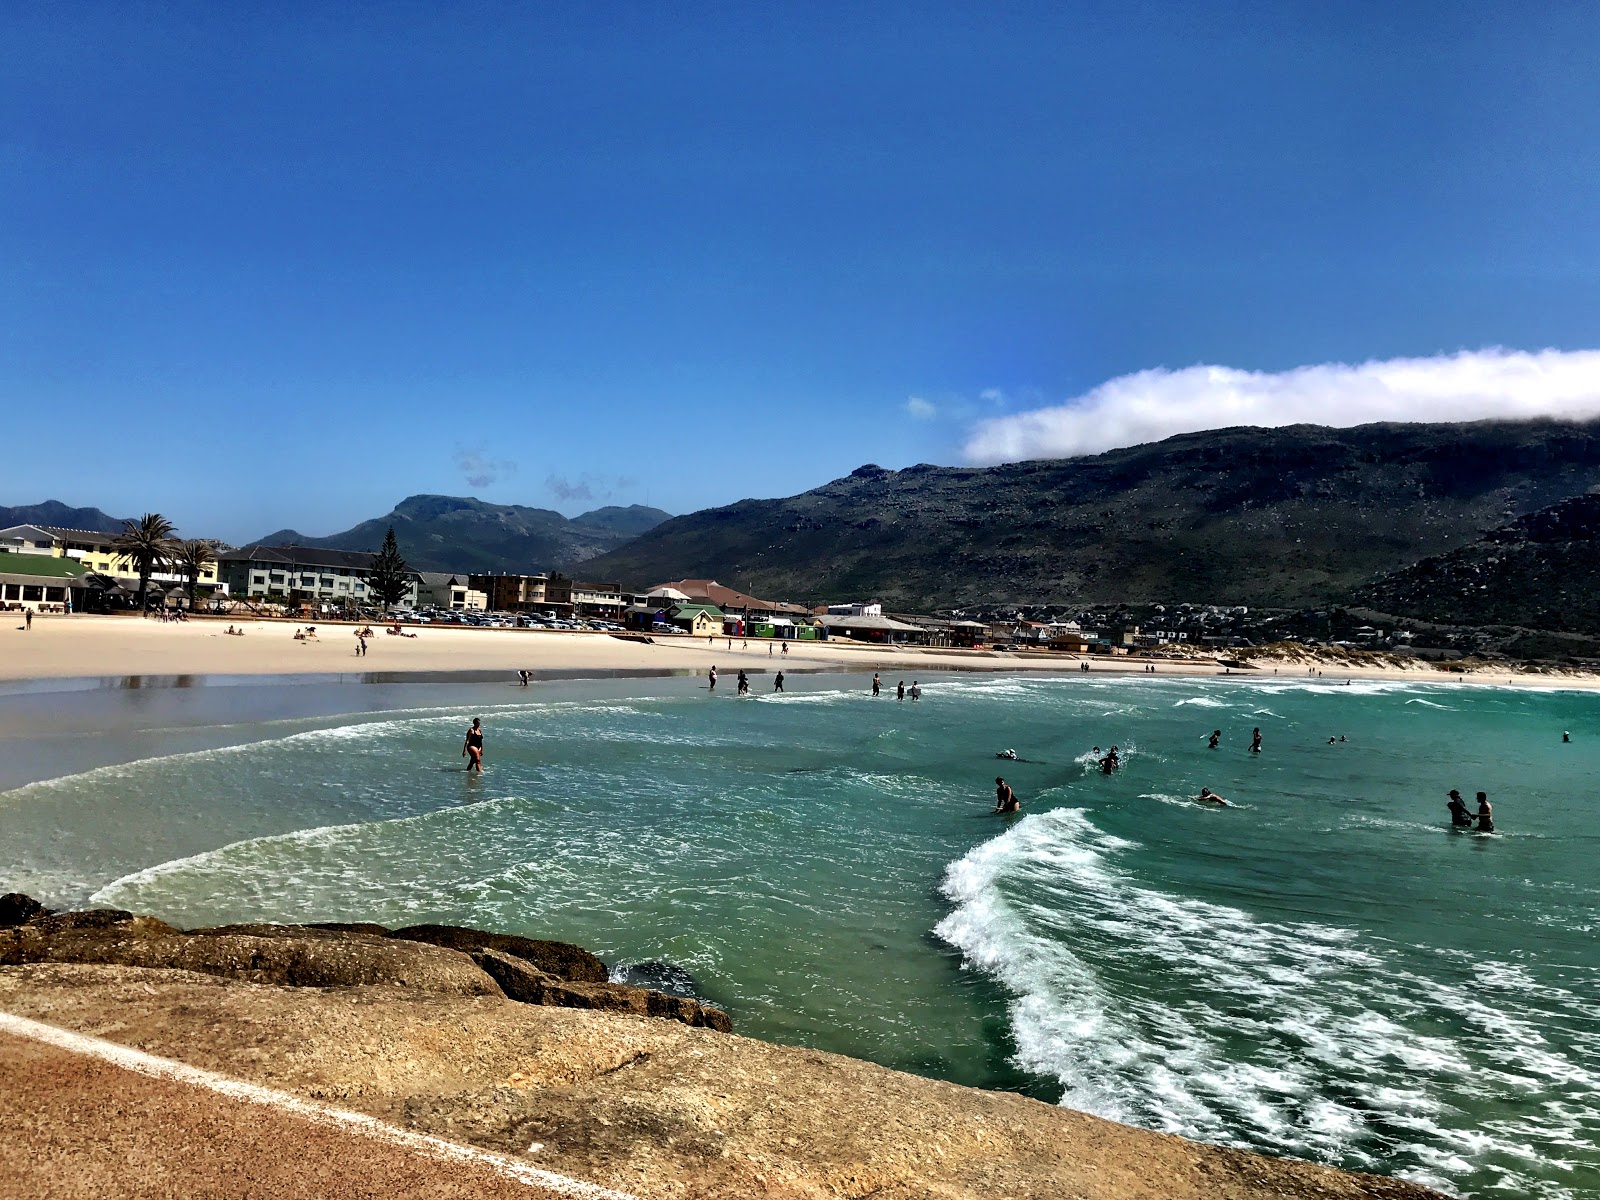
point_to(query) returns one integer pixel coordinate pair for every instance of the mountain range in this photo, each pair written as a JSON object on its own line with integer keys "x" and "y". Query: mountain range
{"x": 1488, "y": 522}
{"x": 458, "y": 533}
{"x": 1290, "y": 516}
{"x": 53, "y": 512}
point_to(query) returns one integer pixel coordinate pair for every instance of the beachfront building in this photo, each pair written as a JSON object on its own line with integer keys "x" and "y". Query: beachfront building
{"x": 93, "y": 552}
{"x": 854, "y": 610}
{"x": 27, "y": 539}
{"x": 742, "y": 606}
{"x": 597, "y": 601}
{"x": 702, "y": 620}
{"x": 440, "y": 589}
{"x": 513, "y": 593}
{"x": 883, "y": 630}
{"x": 301, "y": 574}
{"x": 40, "y": 581}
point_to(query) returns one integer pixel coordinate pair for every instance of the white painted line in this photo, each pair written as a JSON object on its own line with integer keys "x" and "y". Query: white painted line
{"x": 310, "y": 1110}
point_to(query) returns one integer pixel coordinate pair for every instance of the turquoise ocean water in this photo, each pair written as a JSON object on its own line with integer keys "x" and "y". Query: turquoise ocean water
{"x": 1325, "y": 970}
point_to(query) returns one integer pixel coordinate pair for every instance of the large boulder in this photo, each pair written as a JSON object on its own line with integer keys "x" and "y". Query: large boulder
{"x": 560, "y": 959}
{"x": 16, "y": 908}
{"x": 520, "y": 980}
{"x": 282, "y": 957}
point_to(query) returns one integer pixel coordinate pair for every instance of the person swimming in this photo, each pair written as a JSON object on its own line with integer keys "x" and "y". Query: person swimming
{"x": 1010, "y": 754}
{"x": 1460, "y": 814}
{"x": 1005, "y": 800}
{"x": 1207, "y": 796}
{"x": 1211, "y": 742}
{"x": 1255, "y": 740}
{"x": 1111, "y": 761}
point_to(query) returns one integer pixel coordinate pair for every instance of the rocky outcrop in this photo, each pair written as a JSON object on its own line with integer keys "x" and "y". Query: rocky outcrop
{"x": 521, "y": 980}
{"x": 560, "y": 959}
{"x": 654, "y": 1108}
{"x": 15, "y": 908}
{"x": 434, "y": 960}
{"x": 279, "y": 955}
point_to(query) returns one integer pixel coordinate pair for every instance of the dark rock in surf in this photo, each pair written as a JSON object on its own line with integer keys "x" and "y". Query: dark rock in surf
{"x": 659, "y": 977}
{"x": 17, "y": 908}
{"x": 560, "y": 959}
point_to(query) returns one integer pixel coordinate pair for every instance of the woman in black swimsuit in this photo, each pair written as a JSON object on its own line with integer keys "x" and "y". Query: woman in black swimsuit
{"x": 473, "y": 747}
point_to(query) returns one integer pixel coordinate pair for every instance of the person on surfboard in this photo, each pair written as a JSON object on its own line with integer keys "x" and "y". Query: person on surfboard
{"x": 1005, "y": 800}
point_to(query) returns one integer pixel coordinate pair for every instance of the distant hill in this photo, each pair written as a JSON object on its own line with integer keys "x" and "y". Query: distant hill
{"x": 1541, "y": 571}
{"x": 53, "y": 512}
{"x": 1288, "y": 516}
{"x": 457, "y": 533}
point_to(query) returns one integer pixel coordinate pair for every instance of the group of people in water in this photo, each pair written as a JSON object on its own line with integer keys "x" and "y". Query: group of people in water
{"x": 1462, "y": 817}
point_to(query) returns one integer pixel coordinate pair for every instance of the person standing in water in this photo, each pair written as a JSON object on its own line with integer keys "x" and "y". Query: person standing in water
{"x": 1460, "y": 814}
{"x": 1255, "y": 740}
{"x": 916, "y": 690}
{"x": 777, "y": 682}
{"x": 900, "y": 691}
{"x": 875, "y": 683}
{"x": 1005, "y": 800}
{"x": 1211, "y": 742}
{"x": 472, "y": 748}
{"x": 712, "y": 676}
{"x": 1485, "y": 814}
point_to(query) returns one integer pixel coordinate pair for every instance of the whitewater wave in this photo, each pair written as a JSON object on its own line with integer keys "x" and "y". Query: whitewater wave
{"x": 1196, "y": 1018}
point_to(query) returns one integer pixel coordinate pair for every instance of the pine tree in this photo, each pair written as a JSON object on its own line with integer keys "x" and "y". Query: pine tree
{"x": 387, "y": 579}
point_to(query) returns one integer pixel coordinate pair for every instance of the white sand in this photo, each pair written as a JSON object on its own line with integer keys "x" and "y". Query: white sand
{"x": 77, "y": 646}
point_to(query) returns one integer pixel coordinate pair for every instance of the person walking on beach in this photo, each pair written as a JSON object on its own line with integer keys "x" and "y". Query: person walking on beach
{"x": 1255, "y": 740}
{"x": 1005, "y": 800}
{"x": 472, "y": 748}
{"x": 27, "y": 619}
{"x": 1460, "y": 814}
{"x": 786, "y": 649}
{"x": 769, "y": 649}
{"x": 900, "y": 691}
{"x": 875, "y": 683}
{"x": 1485, "y": 814}
{"x": 777, "y": 682}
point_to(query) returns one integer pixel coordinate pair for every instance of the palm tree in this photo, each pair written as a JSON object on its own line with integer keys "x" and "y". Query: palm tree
{"x": 147, "y": 542}
{"x": 192, "y": 557}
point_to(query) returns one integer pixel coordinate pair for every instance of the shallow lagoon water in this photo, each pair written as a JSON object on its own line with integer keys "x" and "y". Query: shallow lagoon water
{"x": 1325, "y": 970}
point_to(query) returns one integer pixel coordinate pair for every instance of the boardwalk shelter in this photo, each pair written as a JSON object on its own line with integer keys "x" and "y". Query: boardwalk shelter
{"x": 40, "y": 582}
{"x": 702, "y": 620}
{"x": 883, "y": 630}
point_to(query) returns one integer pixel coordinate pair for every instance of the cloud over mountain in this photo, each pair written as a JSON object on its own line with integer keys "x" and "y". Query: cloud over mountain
{"x": 1150, "y": 405}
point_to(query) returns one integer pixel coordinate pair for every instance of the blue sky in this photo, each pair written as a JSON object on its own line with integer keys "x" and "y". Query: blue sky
{"x": 267, "y": 266}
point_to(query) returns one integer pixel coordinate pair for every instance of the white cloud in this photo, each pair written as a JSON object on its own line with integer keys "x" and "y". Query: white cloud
{"x": 922, "y": 410}
{"x": 993, "y": 395}
{"x": 1150, "y": 405}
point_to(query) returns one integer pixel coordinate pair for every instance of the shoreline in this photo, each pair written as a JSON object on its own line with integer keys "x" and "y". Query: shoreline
{"x": 81, "y": 652}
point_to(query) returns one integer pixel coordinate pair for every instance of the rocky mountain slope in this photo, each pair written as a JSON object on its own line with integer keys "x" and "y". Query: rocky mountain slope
{"x": 1540, "y": 571}
{"x": 459, "y": 533}
{"x": 53, "y": 512}
{"x": 1286, "y": 516}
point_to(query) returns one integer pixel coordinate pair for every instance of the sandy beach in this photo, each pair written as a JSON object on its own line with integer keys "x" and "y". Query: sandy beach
{"x": 79, "y": 646}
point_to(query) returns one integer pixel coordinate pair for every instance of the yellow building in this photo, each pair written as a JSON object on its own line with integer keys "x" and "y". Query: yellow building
{"x": 93, "y": 552}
